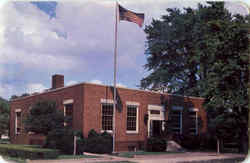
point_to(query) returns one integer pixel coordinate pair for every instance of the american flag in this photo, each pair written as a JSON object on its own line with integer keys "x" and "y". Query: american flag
{"x": 130, "y": 16}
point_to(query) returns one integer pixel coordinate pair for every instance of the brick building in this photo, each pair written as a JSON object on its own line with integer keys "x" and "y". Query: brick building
{"x": 140, "y": 113}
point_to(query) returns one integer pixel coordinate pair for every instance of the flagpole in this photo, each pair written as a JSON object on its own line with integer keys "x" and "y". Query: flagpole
{"x": 115, "y": 62}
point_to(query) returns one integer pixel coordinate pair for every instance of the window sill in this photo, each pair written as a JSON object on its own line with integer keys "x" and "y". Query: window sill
{"x": 132, "y": 132}
{"x": 108, "y": 131}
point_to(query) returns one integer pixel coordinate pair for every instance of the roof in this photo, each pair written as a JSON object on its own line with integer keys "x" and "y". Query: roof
{"x": 83, "y": 83}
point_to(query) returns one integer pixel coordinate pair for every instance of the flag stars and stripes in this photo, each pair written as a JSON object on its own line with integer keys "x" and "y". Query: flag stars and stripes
{"x": 130, "y": 16}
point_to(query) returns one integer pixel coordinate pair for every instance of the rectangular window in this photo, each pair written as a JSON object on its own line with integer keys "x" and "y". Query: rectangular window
{"x": 18, "y": 122}
{"x": 176, "y": 121}
{"x": 193, "y": 122}
{"x": 107, "y": 116}
{"x": 131, "y": 118}
{"x": 68, "y": 113}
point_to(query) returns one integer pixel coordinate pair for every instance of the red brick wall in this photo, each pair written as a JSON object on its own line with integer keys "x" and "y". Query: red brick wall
{"x": 92, "y": 110}
{"x": 59, "y": 95}
{"x": 87, "y": 110}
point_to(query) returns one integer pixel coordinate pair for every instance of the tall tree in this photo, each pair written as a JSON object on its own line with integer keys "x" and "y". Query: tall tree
{"x": 44, "y": 117}
{"x": 4, "y": 116}
{"x": 202, "y": 52}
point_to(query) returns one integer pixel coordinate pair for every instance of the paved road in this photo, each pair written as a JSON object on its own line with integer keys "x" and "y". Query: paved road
{"x": 164, "y": 158}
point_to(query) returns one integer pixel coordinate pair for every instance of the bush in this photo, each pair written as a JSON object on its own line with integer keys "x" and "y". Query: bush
{"x": 27, "y": 152}
{"x": 62, "y": 139}
{"x": 80, "y": 146}
{"x": 99, "y": 143}
{"x": 190, "y": 141}
{"x": 155, "y": 144}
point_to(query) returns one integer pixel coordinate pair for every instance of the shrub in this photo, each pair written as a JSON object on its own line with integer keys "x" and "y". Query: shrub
{"x": 155, "y": 144}
{"x": 99, "y": 143}
{"x": 62, "y": 139}
{"x": 190, "y": 141}
{"x": 80, "y": 146}
{"x": 27, "y": 152}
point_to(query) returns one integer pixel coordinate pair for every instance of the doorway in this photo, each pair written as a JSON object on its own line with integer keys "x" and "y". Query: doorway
{"x": 156, "y": 116}
{"x": 156, "y": 128}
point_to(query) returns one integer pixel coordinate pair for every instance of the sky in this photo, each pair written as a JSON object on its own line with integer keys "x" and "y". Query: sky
{"x": 76, "y": 39}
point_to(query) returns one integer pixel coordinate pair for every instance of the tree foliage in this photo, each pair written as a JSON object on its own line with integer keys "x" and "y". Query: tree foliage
{"x": 43, "y": 117}
{"x": 202, "y": 52}
{"x": 4, "y": 116}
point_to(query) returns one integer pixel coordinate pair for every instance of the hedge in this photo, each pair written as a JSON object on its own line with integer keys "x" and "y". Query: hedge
{"x": 155, "y": 144}
{"x": 27, "y": 152}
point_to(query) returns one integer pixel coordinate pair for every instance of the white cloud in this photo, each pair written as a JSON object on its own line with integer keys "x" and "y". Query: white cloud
{"x": 121, "y": 85}
{"x": 35, "y": 87}
{"x": 30, "y": 47}
{"x": 96, "y": 81}
{"x": 6, "y": 90}
{"x": 71, "y": 82}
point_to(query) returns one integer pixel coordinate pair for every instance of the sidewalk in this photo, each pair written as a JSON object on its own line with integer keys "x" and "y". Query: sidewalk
{"x": 187, "y": 157}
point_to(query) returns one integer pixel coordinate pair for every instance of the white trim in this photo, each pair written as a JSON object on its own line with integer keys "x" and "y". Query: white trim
{"x": 156, "y": 107}
{"x": 137, "y": 120}
{"x": 152, "y": 117}
{"x": 132, "y": 103}
{"x": 108, "y": 131}
{"x": 18, "y": 110}
{"x": 103, "y": 102}
{"x": 108, "y": 101}
{"x": 69, "y": 101}
{"x": 131, "y": 132}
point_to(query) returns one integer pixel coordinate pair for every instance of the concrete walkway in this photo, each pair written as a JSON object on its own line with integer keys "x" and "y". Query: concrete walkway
{"x": 163, "y": 158}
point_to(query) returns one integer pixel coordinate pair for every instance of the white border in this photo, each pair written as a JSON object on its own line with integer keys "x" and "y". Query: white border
{"x": 136, "y": 104}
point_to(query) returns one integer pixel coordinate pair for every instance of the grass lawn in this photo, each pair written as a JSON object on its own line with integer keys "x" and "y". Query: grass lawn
{"x": 14, "y": 159}
{"x": 75, "y": 157}
{"x": 131, "y": 154}
{"x": 19, "y": 160}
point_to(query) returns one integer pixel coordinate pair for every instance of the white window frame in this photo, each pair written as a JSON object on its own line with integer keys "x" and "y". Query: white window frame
{"x": 66, "y": 102}
{"x": 196, "y": 119}
{"x": 107, "y": 101}
{"x": 152, "y": 117}
{"x": 179, "y": 108}
{"x": 134, "y": 104}
{"x": 17, "y": 111}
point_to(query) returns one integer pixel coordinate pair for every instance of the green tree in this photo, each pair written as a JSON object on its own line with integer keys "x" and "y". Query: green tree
{"x": 4, "y": 116}
{"x": 202, "y": 52}
{"x": 43, "y": 117}
{"x": 14, "y": 97}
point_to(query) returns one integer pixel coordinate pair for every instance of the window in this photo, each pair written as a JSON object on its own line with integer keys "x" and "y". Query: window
{"x": 132, "y": 118}
{"x": 176, "y": 119}
{"x": 193, "y": 117}
{"x": 18, "y": 122}
{"x": 68, "y": 113}
{"x": 107, "y": 116}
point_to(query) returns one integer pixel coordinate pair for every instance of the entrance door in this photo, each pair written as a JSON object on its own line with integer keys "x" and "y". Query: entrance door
{"x": 156, "y": 115}
{"x": 156, "y": 128}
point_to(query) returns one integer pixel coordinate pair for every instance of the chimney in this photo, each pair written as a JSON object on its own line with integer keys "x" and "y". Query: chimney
{"x": 57, "y": 81}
